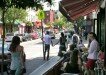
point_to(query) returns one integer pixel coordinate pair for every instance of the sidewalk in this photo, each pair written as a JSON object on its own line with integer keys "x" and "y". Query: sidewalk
{"x": 36, "y": 57}
{"x": 34, "y": 63}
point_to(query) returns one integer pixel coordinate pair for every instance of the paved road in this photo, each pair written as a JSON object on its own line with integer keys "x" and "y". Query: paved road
{"x": 34, "y": 54}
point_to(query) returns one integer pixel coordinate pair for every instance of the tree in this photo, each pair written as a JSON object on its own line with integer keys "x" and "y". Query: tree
{"x": 5, "y": 5}
{"x": 80, "y": 21}
{"x": 29, "y": 27}
{"x": 61, "y": 21}
{"x": 14, "y": 14}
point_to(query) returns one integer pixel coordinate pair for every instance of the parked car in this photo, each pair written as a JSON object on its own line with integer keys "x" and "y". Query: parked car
{"x": 34, "y": 35}
{"x": 20, "y": 36}
{"x": 6, "y": 50}
{"x": 9, "y": 37}
{"x": 6, "y": 56}
{"x": 26, "y": 37}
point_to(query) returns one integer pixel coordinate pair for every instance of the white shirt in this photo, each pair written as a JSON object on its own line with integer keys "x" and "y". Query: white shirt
{"x": 93, "y": 50}
{"x": 47, "y": 39}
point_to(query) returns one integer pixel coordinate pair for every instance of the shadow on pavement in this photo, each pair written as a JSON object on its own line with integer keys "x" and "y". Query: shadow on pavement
{"x": 33, "y": 64}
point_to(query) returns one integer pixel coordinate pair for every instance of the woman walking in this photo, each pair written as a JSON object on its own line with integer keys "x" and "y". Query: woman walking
{"x": 17, "y": 55}
{"x": 62, "y": 42}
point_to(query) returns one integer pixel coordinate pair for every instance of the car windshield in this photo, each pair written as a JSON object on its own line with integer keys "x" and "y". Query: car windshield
{"x": 10, "y": 34}
{"x": 19, "y": 34}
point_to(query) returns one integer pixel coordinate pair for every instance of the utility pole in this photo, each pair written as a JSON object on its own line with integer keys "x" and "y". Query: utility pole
{"x": 41, "y": 16}
{"x": 42, "y": 38}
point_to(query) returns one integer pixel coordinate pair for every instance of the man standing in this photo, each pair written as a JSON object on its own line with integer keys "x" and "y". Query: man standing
{"x": 92, "y": 53}
{"x": 47, "y": 41}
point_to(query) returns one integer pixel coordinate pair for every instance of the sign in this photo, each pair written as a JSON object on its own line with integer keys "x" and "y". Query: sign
{"x": 41, "y": 14}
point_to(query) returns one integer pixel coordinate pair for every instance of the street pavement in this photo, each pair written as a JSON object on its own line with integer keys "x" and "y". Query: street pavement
{"x": 34, "y": 54}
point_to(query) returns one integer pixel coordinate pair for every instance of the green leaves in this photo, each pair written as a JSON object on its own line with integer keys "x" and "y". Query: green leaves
{"x": 19, "y": 3}
{"x": 29, "y": 23}
{"x": 14, "y": 14}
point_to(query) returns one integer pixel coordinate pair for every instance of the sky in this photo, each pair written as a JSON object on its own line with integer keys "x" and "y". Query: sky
{"x": 53, "y": 7}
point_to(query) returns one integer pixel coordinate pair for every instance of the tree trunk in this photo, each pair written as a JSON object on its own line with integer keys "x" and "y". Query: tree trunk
{"x": 3, "y": 38}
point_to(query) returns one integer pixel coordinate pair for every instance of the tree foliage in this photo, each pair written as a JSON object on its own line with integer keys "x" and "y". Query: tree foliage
{"x": 5, "y": 4}
{"x": 14, "y": 14}
{"x": 62, "y": 21}
{"x": 29, "y": 23}
{"x": 80, "y": 21}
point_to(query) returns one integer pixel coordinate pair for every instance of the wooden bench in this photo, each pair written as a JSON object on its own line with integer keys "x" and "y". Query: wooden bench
{"x": 51, "y": 67}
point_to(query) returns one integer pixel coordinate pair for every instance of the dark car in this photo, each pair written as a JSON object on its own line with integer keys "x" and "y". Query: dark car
{"x": 26, "y": 37}
{"x": 52, "y": 34}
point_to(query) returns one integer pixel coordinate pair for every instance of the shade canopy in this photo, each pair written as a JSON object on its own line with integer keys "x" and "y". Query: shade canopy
{"x": 72, "y": 9}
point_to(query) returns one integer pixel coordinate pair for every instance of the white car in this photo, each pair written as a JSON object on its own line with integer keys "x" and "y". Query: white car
{"x": 9, "y": 37}
{"x": 6, "y": 50}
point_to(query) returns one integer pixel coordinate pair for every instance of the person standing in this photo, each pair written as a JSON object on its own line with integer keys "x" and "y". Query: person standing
{"x": 62, "y": 46}
{"x": 47, "y": 41}
{"x": 17, "y": 56}
{"x": 92, "y": 53}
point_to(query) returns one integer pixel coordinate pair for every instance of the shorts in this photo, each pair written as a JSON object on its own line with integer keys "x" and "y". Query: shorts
{"x": 90, "y": 64}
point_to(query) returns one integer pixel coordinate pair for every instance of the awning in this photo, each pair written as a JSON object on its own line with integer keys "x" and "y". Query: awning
{"x": 76, "y": 8}
{"x": 62, "y": 10}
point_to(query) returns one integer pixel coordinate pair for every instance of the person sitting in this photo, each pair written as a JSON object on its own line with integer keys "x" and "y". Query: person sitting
{"x": 68, "y": 54}
{"x": 73, "y": 65}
